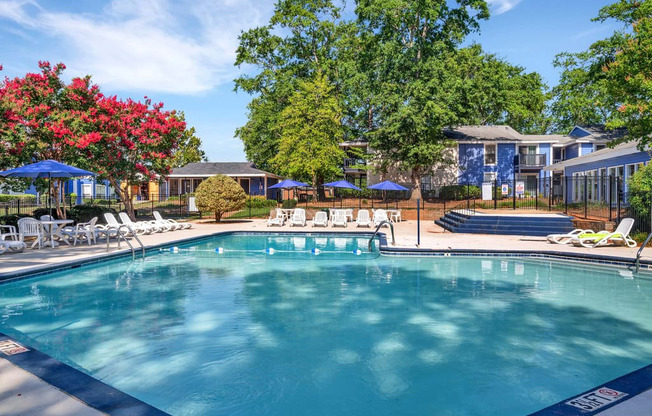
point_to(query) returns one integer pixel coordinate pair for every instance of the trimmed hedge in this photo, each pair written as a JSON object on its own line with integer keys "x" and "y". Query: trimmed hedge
{"x": 289, "y": 203}
{"x": 44, "y": 211}
{"x": 84, "y": 213}
{"x": 12, "y": 219}
{"x": 22, "y": 197}
{"x": 260, "y": 201}
{"x": 459, "y": 192}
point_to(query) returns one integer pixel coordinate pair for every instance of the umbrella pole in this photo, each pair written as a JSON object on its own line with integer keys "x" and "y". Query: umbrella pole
{"x": 49, "y": 194}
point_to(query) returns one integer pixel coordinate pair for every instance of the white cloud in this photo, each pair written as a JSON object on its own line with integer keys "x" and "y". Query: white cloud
{"x": 182, "y": 47}
{"x": 502, "y": 6}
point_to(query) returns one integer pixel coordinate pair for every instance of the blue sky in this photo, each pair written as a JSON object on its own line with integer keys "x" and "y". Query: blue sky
{"x": 181, "y": 52}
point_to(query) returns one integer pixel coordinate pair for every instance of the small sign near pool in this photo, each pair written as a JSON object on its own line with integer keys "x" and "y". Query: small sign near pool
{"x": 596, "y": 399}
{"x": 9, "y": 347}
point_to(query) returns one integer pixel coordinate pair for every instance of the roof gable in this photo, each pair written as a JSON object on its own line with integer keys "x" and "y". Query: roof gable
{"x": 219, "y": 168}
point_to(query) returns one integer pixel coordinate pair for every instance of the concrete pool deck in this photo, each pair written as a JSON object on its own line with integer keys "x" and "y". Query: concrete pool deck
{"x": 22, "y": 393}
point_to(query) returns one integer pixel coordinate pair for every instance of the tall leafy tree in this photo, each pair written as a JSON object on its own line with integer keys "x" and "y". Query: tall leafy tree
{"x": 310, "y": 131}
{"x": 188, "y": 148}
{"x": 298, "y": 42}
{"x": 407, "y": 45}
{"x": 629, "y": 70}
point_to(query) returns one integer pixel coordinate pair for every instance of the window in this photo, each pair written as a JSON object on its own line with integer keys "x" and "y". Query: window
{"x": 600, "y": 146}
{"x": 489, "y": 176}
{"x": 489, "y": 154}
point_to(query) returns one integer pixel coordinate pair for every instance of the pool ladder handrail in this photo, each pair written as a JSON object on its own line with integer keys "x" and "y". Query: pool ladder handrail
{"x": 640, "y": 251}
{"x": 391, "y": 227}
{"x": 120, "y": 235}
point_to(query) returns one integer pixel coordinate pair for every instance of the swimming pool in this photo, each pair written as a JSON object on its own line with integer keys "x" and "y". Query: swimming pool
{"x": 247, "y": 332}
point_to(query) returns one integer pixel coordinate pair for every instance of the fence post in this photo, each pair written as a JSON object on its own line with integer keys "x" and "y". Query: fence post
{"x": 549, "y": 186}
{"x": 249, "y": 206}
{"x": 495, "y": 196}
{"x": 536, "y": 193}
{"x": 565, "y": 191}
{"x": 152, "y": 213}
{"x": 467, "y": 197}
{"x": 586, "y": 196}
{"x": 618, "y": 197}
{"x": 418, "y": 223}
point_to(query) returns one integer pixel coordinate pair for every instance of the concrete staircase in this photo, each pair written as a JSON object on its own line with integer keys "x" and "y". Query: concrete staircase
{"x": 463, "y": 221}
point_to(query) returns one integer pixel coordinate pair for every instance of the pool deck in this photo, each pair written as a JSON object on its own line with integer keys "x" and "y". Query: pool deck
{"x": 23, "y": 393}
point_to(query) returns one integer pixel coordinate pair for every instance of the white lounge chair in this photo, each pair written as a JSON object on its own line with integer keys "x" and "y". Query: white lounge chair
{"x": 112, "y": 226}
{"x": 179, "y": 225}
{"x": 31, "y": 228}
{"x": 620, "y": 236}
{"x": 141, "y": 227}
{"x": 380, "y": 215}
{"x": 363, "y": 219}
{"x": 9, "y": 233}
{"x": 339, "y": 219}
{"x": 10, "y": 240}
{"x": 277, "y": 219}
{"x": 82, "y": 231}
{"x": 567, "y": 238}
{"x": 320, "y": 219}
{"x": 298, "y": 217}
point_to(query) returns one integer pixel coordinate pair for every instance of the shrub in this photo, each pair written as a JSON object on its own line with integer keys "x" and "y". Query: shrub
{"x": 84, "y": 213}
{"x": 640, "y": 188}
{"x": 39, "y": 212}
{"x": 289, "y": 203}
{"x": 22, "y": 197}
{"x": 259, "y": 201}
{"x": 459, "y": 192}
{"x": 12, "y": 219}
{"x": 220, "y": 194}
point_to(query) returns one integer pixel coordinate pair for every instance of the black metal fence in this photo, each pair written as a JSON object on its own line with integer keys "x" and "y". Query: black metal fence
{"x": 600, "y": 198}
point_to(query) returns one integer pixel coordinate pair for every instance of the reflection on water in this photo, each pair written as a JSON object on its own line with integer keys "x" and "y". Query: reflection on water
{"x": 196, "y": 333}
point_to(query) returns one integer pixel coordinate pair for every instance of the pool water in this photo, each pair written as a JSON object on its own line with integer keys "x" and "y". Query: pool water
{"x": 246, "y": 332}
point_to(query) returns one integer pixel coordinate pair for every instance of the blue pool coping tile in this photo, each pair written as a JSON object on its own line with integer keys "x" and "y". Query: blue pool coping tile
{"x": 632, "y": 384}
{"x": 73, "y": 382}
{"x": 116, "y": 403}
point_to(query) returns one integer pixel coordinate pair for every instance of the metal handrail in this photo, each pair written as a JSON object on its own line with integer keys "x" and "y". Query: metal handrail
{"x": 391, "y": 227}
{"x": 640, "y": 250}
{"x": 120, "y": 235}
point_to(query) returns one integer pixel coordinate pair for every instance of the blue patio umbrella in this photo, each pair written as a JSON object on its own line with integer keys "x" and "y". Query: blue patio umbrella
{"x": 46, "y": 169}
{"x": 342, "y": 184}
{"x": 388, "y": 186}
{"x": 288, "y": 184}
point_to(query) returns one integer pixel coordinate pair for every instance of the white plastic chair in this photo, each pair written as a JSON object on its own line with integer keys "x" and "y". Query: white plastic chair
{"x": 320, "y": 219}
{"x": 31, "y": 228}
{"x": 112, "y": 226}
{"x": 81, "y": 231}
{"x": 298, "y": 217}
{"x": 140, "y": 227}
{"x": 620, "y": 236}
{"x": 568, "y": 237}
{"x": 363, "y": 219}
{"x": 10, "y": 233}
{"x": 380, "y": 215}
{"x": 10, "y": 240}
{"x": 178, "y": 225}
{"x": 339, "y": 219}
{"x": 278, "y": 219}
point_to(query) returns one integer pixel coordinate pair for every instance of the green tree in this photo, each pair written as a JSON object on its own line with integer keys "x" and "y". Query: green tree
{"x": 640, "y": 191}
{"x": 220, "y": 194}
{"x": 629, "y": 69}
{"x": 189, "y": 148}
{"x": 310, "y": 130}
{"x": 298, "y": 42}
{"x": 407, "y": 48}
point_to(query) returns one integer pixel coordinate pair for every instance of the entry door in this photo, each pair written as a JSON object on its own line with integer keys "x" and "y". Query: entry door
{"x": 245, "y": 185}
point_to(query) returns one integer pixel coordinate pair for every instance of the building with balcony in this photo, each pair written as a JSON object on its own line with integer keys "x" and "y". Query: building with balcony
{"x": 496, "y": 153}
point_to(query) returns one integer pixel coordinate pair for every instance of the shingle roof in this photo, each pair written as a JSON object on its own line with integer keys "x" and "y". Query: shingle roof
{"x": 492, "y": 133}
{"x": 219, "y": 168}
{"x": 550, "y": 138}
{"x": 602, "y": 154}
{"x": 600, "y": 132}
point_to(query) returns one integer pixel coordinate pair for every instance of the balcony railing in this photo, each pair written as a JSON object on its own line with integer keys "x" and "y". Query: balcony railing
{"x": 350, "y": 162}
{"x": 532, "y": 161}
